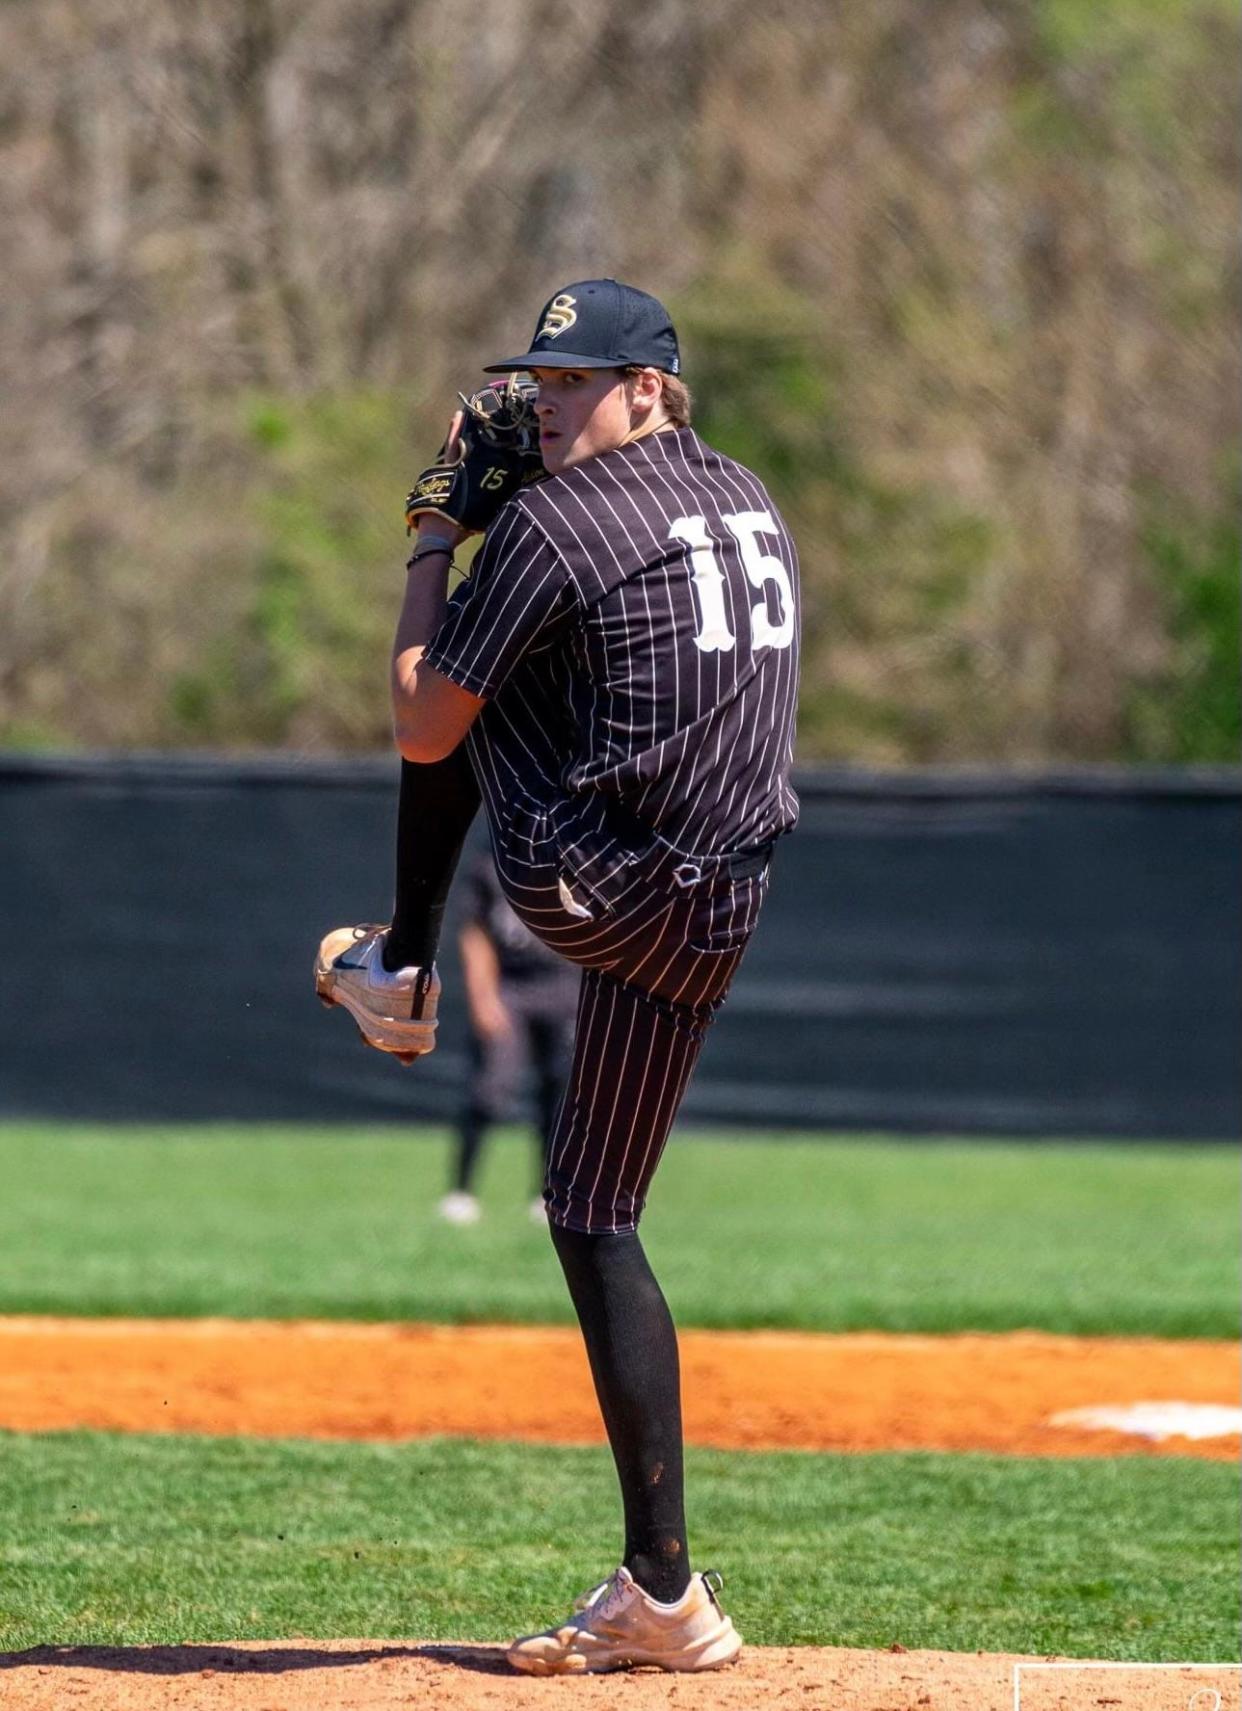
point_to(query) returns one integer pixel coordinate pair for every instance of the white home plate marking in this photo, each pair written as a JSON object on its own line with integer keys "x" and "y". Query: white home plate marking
{"x": 1157, "y": 1419}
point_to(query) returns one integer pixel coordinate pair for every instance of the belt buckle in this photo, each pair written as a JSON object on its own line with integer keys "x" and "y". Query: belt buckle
{"x": 686, "y": 874}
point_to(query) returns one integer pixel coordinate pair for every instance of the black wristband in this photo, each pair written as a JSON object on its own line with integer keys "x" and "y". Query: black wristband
{"x": 430, "y": 549}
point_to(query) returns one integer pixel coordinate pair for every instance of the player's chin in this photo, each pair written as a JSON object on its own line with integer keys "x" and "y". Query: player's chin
{"x": 556, "y": 453}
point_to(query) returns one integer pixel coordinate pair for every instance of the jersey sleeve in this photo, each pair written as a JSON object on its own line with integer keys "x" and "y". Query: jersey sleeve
{"x": 519, "y": 597}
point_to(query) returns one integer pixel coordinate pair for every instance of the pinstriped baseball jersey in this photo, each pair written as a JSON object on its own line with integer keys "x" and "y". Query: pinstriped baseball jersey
{"x": 633, "y": 625}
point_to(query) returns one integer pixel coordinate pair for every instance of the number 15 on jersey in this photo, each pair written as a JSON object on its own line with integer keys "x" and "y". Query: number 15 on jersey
{"x": 714, "y": 634}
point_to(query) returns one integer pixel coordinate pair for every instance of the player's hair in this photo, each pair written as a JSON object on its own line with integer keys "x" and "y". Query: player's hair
{"x": 674, "y": 395}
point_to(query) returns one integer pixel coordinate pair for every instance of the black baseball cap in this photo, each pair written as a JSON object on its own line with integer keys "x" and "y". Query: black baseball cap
{"x": 599, "y": 323}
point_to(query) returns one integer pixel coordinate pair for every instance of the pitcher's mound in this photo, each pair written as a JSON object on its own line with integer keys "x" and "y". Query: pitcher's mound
{"x": 384, "y": 1675}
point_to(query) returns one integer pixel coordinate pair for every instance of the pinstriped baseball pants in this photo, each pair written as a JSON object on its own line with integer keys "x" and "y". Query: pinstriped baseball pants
{"x": 659, "y": 941}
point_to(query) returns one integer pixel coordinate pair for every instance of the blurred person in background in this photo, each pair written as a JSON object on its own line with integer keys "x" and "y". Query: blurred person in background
{"x": 522, "y": 999}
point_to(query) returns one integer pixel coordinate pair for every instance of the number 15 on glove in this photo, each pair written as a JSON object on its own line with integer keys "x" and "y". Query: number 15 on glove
{"x": 494, "y": 452}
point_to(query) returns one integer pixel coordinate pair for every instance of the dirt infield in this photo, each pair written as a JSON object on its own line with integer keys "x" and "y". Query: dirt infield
{"x": 749, "y": 1390}
{"x": 743, "y": 1389}
{"x": 376, "y": 1675}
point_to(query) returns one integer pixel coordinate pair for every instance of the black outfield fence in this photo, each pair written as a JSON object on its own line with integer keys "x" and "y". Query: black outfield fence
{"x": 1042, "y": 954}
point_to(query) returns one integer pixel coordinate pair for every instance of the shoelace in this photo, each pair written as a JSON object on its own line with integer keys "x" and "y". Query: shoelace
{"x": 612, "y": 1600}
{"x": 422, "y": 979}
{"x": 604, "y": 1599}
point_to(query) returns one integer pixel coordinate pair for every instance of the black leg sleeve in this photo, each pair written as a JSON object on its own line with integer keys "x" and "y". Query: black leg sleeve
{"x": 632, "y": 1347}
{"x": 438, "y": 802}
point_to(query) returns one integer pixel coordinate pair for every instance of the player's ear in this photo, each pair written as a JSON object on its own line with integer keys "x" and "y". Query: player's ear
{"x": 645, "y": 388}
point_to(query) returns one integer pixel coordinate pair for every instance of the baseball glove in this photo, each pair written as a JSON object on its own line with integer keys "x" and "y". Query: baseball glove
{"x": 496, "y": 452}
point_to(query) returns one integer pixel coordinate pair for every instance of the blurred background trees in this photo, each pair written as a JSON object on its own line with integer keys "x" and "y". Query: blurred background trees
{"x": 958, "y": 278}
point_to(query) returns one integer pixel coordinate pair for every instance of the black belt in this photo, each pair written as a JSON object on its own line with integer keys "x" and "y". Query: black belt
{"x": 748, "y": 862}
{"x": 634, "y": 834}
{"x": 742, "y": 864}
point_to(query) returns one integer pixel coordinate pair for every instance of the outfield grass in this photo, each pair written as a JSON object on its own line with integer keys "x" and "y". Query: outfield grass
{"x": 820, "y": 1234}
{"x": 128, "y": 1540}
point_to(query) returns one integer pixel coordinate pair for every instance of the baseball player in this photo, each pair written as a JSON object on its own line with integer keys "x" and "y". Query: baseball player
{"x": 618, "y": 678}
{"x": 522, "y": 999}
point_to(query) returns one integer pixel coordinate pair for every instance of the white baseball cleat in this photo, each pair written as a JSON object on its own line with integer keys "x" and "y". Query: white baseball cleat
{"x": 618, "y": 1626}
{"x": 396, "y": 1012}
{"x": 459, "y": 1208}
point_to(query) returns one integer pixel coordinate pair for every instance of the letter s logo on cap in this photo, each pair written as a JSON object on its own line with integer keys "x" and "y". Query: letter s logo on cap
{"x": 560, "y": 316}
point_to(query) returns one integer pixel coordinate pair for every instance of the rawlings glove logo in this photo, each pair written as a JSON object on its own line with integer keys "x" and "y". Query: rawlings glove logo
{"x": 433, "y": 489}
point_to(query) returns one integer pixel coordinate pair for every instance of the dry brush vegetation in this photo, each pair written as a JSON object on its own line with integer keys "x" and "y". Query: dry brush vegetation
{"x": 959, "y": 279}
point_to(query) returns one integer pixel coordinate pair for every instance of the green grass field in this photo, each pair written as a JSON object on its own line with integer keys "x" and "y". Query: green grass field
{"x": 114, "y": 1539}
{"x": 126, "y": 1540}
{"x": 821, "y": 1235}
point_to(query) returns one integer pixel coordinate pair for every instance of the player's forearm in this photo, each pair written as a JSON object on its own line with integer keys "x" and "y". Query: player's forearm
{"x": 422, "y": 613}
